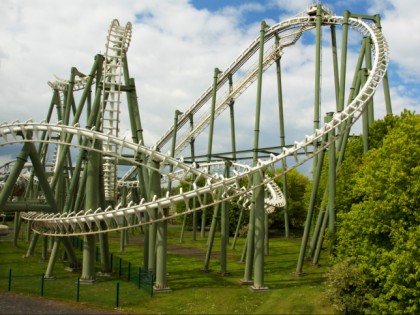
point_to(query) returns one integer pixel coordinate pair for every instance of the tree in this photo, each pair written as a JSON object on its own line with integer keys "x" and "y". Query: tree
{"x": 378, "y": 235}
{"x": 297, "y": 188}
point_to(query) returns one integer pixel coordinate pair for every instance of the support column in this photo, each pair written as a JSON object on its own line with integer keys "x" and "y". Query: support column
{"x": 282, "y": 139}
{"x": 162, "y": 226}
{"x": 317, "y": 101}
{"x": 210, "y": 142}
{"x": 335, "y": 64}
{"x": 224, "y": 237}
{"x": 331, "y": 186}
{"x": 212, "y": 234}
{"x": 368, "y": 60}
{"x": 344, "y": 39}
{"x": 308, "y": 222}
{"x": 365, "y": 114}
{"x": 154, "y": 190}
{"x": 257, "y": 211}
{"x": 259, "y": 234}
{"x": 385, "y": 78}
{"x": 92, "y": 202}
{"x": 194, "y": 202}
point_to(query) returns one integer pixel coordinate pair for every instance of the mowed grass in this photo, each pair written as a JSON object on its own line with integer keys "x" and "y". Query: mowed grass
{"x": 193, "y": 291}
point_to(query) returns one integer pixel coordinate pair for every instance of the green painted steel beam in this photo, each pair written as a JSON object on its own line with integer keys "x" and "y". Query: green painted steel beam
{"x": 282, "y": 136}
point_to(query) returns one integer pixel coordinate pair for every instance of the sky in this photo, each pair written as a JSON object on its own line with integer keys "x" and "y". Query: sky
{"x": 176, "y": 45}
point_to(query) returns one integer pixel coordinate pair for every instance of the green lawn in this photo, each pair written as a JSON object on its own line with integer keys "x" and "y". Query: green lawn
{"x": 193, "y": 291}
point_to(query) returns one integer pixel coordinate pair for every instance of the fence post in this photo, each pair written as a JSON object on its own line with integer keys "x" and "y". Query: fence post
{"x": 78, "y": 290}
{"x": 42, "y": 284}
{"x": 117, "y": 295}
{"x": 10, "y": 280}
{"x": 111, "y": 259}
{"x": 119, "y": 268}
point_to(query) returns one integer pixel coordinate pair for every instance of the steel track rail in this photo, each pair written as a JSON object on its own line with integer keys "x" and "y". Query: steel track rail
{"x": 118, "y": 41}
{"x": 89, "y": 222}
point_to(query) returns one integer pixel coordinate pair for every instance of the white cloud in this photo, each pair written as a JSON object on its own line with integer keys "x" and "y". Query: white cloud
{"x": 174, "y": 50}
{"x": 401, "y": 25}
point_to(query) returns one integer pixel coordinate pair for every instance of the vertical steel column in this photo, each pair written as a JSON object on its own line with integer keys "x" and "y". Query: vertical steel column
{"x": 308, "y": 222}
{"x": 137, "y": 137}
{"x": 232, "y": 120}
{"x": 192, "y": 141}
{"x": 318, "y": 224}
{"x": 259, "y": 233}
{"x": 224, "y": 238}
{"x": 258, "y": 194}
{"x": 69, "y": 98}
{"x": 365, "y": 115}
{"x": 368, "y": 60}
{"x": 385, "y": 82}
{"x": 171, "y": 167}
{"x": 331, "y": 184}
{"x": 53, "y": 258}
{"x": 282, "y": 138}
{"x": 342, "y": 142}
{"x": 16, "y": 228}
{"x": 317, "y": 101}
{"x": 335, "y": 64}
{"x": 344, "y": 39}
{"x": 212, "y": 233}
{"x": 210, "y": 142}
{"x": 238, "y": 226}
{"x": 317, "y": 253}
{"x": 152, "y": 237}
{"x": 123, "y": 235}
{"x": 92, "y": 202}
{"x": 135, "y": 121}
{"x": 162, "y": 226}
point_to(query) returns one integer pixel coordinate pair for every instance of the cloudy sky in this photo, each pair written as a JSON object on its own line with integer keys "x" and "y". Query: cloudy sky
{"x": 176, "y": 44}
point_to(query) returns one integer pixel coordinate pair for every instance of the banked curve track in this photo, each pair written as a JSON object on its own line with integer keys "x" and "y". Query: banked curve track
{"x": 220, "y": 188}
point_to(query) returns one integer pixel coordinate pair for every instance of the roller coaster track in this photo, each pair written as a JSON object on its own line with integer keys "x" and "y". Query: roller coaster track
{"x": 117, "y": 44}
{"x": 220, "y": 188}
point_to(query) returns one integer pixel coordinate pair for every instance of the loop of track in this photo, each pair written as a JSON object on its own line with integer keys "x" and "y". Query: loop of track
{"x": 220, "y": 188}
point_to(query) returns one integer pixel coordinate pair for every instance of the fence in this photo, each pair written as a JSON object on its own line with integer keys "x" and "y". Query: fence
{"x": 124, "y": 269}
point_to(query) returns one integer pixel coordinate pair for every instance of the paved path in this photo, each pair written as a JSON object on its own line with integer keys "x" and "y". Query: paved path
{"x": 11, "y": 303}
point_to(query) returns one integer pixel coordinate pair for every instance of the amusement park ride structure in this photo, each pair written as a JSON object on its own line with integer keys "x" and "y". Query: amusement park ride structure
{"x": 73, "y": 187}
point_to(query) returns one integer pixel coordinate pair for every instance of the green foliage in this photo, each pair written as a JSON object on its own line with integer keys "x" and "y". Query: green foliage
{"x": 297, "y": 188}
{"x": 345, "y": 286}
{"x": 345, "y": 175}
{"x": 379, "y": 226}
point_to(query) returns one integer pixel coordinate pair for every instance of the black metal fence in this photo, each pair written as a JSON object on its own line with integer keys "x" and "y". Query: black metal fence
{"x": 144, "y": 279}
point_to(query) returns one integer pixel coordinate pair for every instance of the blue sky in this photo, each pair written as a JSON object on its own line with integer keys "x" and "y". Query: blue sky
{"x": 175, "y": 46}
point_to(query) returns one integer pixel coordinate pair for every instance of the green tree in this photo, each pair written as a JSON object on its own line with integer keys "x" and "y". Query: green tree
{"x": 378, "y": 235}
{"x": 297, "y": 188}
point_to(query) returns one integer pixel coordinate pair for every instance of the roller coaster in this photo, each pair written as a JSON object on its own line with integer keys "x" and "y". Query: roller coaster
{"x": 73, "y": 185}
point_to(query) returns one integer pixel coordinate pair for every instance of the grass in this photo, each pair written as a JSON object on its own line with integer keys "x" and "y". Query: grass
{"x": 193, "y": 291}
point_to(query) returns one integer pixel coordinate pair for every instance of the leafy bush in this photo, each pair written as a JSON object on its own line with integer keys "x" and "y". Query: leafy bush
{"x": 380, "y": 229}
{"x": 345, "y": 286}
